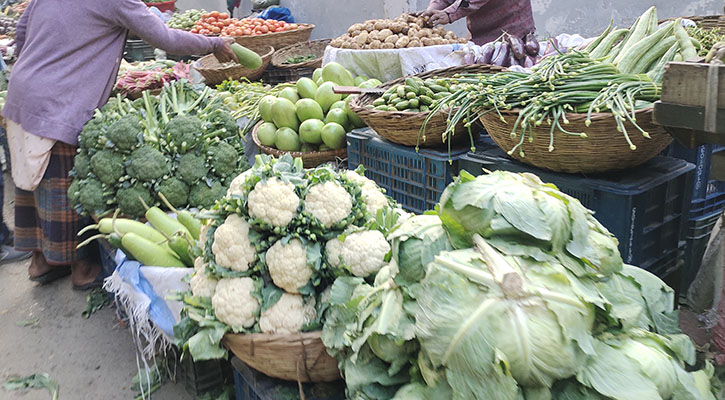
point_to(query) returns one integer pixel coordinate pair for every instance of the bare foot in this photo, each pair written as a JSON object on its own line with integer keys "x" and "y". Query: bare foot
{"x": 84, "y": 272}
{"x": 38, "y": 265}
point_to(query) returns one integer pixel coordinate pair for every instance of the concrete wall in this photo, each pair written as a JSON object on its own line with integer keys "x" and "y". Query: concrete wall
{"x": 587, "y": 18}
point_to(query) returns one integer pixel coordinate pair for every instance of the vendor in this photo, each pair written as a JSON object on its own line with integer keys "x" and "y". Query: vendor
{"x": 486, "y": 19}
{"x": 68, "y": 58}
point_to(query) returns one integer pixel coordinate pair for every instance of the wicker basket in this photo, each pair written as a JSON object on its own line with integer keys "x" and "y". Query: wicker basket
{"x": 404, "y": 127}
{"x": 605, "y": 149}
{"x": 214, "y": 74}
{"x": 278, "y": 40}
{"x": 295, "y": 357}
{"x": 316, "y": 47}
{"x": 707, "y": 21}
{"x": 309, "y": 159}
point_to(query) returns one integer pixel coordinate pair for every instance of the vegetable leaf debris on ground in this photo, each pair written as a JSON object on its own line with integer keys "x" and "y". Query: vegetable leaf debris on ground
{"x": 95, "y": 300}
{"x": 34, "y": 381}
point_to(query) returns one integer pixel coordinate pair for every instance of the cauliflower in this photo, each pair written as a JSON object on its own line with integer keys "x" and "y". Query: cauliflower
{"x": 372, "y": 195}
{"x": 329, "y": 202}
{"x": 288, "y": 315}
{"x": 274, "y": 202}
{"x": 235, "y": 188}
{"x": 234, "y": 302}
{"x": 288, "y": 265}
{"x": 232, "y": 248}
{"x": 203, "y": 233}
{"x": 199, "y": 263}
{"x": 363, "y": 253}
{"x": 202, "y": 285}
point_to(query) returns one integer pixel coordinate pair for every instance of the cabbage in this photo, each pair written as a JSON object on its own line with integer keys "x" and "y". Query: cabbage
{"x": 415, "y": 243}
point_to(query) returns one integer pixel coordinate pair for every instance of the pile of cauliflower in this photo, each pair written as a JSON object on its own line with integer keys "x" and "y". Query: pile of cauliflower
{"x": 274, "y": 244}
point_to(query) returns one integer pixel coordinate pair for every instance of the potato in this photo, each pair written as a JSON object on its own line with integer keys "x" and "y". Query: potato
{"x": 337, "y": 42}
{"x": 355, "y": 27}
{"x": 397, "y": 27}
{"x": 420, "y": 22}
{"x": 379, "y": 26}
{"x": 362, "y": 38}
{"x": 376, "y": 44}
{"x": 426, "y": 41}
{"x": 413, "y": 32}
{"x": 462, "y": 40}
{"x": 450, "y": 35}
{"x": 402, "y": 42}
{"x": 355, "y": 45}
{"x": 384, "y": 34}
{"x": 438, "y": 42}
{"x": 439, "y": 30}
{"x": 391, "y": 39}
{"x": 405, "y": 30}
{"x": 387, "y": 46}
{"x": 369, "y": 27}
{"x": 413, "y": 43}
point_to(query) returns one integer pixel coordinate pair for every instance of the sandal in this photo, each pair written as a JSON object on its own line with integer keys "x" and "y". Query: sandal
{"x": 98, "y": 282}
{"x": 51, "y": 276}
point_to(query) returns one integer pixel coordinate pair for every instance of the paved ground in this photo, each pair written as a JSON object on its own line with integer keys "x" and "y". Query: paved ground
{"x": 90, "y": 358}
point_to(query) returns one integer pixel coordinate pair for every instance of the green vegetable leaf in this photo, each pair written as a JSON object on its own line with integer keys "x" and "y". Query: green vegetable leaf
{"x": 34, "y": 381}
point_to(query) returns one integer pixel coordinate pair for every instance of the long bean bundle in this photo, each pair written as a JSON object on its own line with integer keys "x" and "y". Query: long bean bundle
{"x": 572, "y": 82}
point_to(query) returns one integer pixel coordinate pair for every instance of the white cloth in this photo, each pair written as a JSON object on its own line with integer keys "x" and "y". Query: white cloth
{"x": 386, "y": 65}
{"x": 29, "y": 156}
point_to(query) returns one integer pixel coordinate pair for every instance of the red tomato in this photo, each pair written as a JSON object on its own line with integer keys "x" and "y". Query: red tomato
{"x": 223, "y": 15}
{"x": 264, "y": 29}
{"x": 215, "y": 29}
{"x": 247, "y": 32}
{"x": 214, "y": 13}
{"x": 293, "y": 26}
{"x": 194, "y": 30}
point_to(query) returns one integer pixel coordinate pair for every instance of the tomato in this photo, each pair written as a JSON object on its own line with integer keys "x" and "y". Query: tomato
{"x": 223, "y": 15}
{"x": 204, "y": 32}
{"x": 264, "y": 29}
{"x": 214, "y": 13}
{"x": 211, "y": 20}
{"x": 247, "y": 32}
{"x": 278, "y": 29}
{"x": 194, "y": 30}
{"x": 293, "y": 26}
{"x": 227, "y": 22}
{"x": 215, "y": 29}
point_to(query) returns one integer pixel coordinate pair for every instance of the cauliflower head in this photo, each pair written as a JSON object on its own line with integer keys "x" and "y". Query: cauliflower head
{"x": 329, "y": 202}
{"x": 234, "y": 302}
{"x": 199, "y": 264}
{"x": 274, "y": 202}
{"x": 235, "y": 187}
{"x": 232, "y": 248}
{"x": 204, "y": 235}
{"x": 288, "y": 315}
{"x": 288, "y": 265}
{"x": 363, "y": 253}
{"x": 202, "y": 285}
{"x": 372, "y": 195}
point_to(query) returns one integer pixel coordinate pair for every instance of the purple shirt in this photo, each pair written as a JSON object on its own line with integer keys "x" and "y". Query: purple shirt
{"x": 69, "y": 52}
{"x": 488, "y": 19}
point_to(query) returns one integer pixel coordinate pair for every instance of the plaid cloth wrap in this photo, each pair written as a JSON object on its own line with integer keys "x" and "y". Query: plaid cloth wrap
{"x": 44, "y": 219}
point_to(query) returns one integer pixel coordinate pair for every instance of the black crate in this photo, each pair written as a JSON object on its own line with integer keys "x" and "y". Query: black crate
{"x": 698, "y": 236}
{"x": 203, "y": 376}
{"x": 645, "y": 208}
{"x": 708, "y": 194}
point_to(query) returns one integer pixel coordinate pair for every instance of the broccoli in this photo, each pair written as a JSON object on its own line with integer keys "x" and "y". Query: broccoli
{"x": 74, "y": 192}
{"x": 107, "y": 166}
{"x": 146, "y": 164}
{"x": 92, "y": 196}
{"x": 204, "y": 196}
{"x": 129, "y": 203}
{"x": 91, "y": 136}
{"x": 192, "y": 167}
{"x": 224, "y": 120}
{"x": 82, "y": 165}
{"x": 125, "y": 133}
{"x": 223, "y": 159}
{"x": 175, "y": 191}
{"x": 184, "y": 131}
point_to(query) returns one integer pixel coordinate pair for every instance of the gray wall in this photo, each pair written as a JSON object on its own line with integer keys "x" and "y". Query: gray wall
{"x": 553, "y": 17}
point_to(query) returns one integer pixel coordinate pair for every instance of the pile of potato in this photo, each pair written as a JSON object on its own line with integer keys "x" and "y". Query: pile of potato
{"x": 404, "y": 31}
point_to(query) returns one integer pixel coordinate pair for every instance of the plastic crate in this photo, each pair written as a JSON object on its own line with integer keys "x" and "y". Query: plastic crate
{"x": 708, "y": 195}
{"x": 415, "y": 180}
{"x": 250, "y": 384}
{"x": 645, "y": 208}
{"x": 698, "y": 236}
{"x": 203, "y": 376}
{"x": 138, "y": 50}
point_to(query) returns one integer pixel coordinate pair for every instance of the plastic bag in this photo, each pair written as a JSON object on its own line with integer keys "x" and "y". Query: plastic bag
{"x": 261, "y": 4}
{"x": 278, "y": 13}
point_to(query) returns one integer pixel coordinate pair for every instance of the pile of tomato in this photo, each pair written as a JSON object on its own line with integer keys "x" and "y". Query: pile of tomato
{"x": 216, "y": 23}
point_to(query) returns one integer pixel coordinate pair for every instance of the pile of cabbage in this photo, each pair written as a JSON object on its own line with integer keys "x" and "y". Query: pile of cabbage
{"x": 509, "y": 290}
{"x": 271, "y": 248}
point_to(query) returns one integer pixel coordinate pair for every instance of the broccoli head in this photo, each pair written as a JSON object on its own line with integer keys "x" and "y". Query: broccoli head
{"x": 184, "y": 131}
{"x": 92, "y": 196}
{"x": 223, "y": 158}
{"x": 204, "y": 196}
{"x": 146, "y": 164}
{"x": 107, "y": 166}
{"x": 175, "y": 191}
{"x": 82, "y": 165}
{"x": 125, "y": 133}
{"x": 74, "y": 192}
{"x": 224, "y": 120}
{"x": 91, "y": 136}
{"x": 128, "y": 200}
{"x": 192, "y": 167}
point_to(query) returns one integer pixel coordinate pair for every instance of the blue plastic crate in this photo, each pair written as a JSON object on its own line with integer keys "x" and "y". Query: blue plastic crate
{"x": 645, "y": 208}
{"x": 707, "y": 194}
{"x": 698, "y": 235}
{"x": 253, "y": 385}
{"x": 416, "y": 180}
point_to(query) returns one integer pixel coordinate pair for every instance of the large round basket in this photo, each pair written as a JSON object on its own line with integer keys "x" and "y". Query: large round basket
{"x": 214, "y": 73}
{"x": 278, "y": 40}
{"x": 605, "y": 149}
{"x": 315, "y": 47}
{"x": 404, "y": 127}
{"x": 297, "y": 357}
{"x": 705, "y": 21}
{"x": 309, "y": 159}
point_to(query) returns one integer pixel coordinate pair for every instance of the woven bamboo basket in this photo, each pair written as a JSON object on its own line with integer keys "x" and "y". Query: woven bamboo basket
{"x": 214, "y": 74}
{"x": 404, "y": 127}
{"x": 316, "y": 47}
{"x": 309, "y": 159}
{"x": 278, "y": 40}
{"x": 706, "y": 21}
{"x": 605, "y": 149}
{"x": 297, "y": 357}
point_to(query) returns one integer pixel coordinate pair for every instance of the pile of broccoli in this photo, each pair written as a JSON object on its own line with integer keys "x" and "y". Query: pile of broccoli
{"x": 183, "y": 143}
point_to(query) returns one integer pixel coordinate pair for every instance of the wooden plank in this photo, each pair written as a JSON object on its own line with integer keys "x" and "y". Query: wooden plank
{"x": 687, "y": 83}
{"x": 688, "y": 117}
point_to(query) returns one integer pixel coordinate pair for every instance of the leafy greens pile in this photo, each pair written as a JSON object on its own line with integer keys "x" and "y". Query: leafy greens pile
{"x": 511, "y": 289}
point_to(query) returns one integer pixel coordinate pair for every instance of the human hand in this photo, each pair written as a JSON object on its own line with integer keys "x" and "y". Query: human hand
{"x": 224, "y": 53}
{"x": 438, "y": 17}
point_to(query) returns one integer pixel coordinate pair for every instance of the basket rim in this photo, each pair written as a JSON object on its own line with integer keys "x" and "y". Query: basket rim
{"x": 235, "y": 66}
{"x": 302, "y": 155}
{"x": 301, "y": 27}
{"x": 305, "y": 64}
{"x": 275, "y": 337}
{"x": 575, "y": 116}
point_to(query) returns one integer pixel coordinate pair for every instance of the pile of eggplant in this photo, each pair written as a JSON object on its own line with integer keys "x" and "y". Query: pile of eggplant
{"x": 7, "y": 25}
{"x": 509, "y": 50}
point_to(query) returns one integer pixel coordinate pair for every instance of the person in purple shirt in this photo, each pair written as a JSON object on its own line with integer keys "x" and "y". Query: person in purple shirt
{"x": 486, "y": 19}
{"x": 69, "y": 52}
